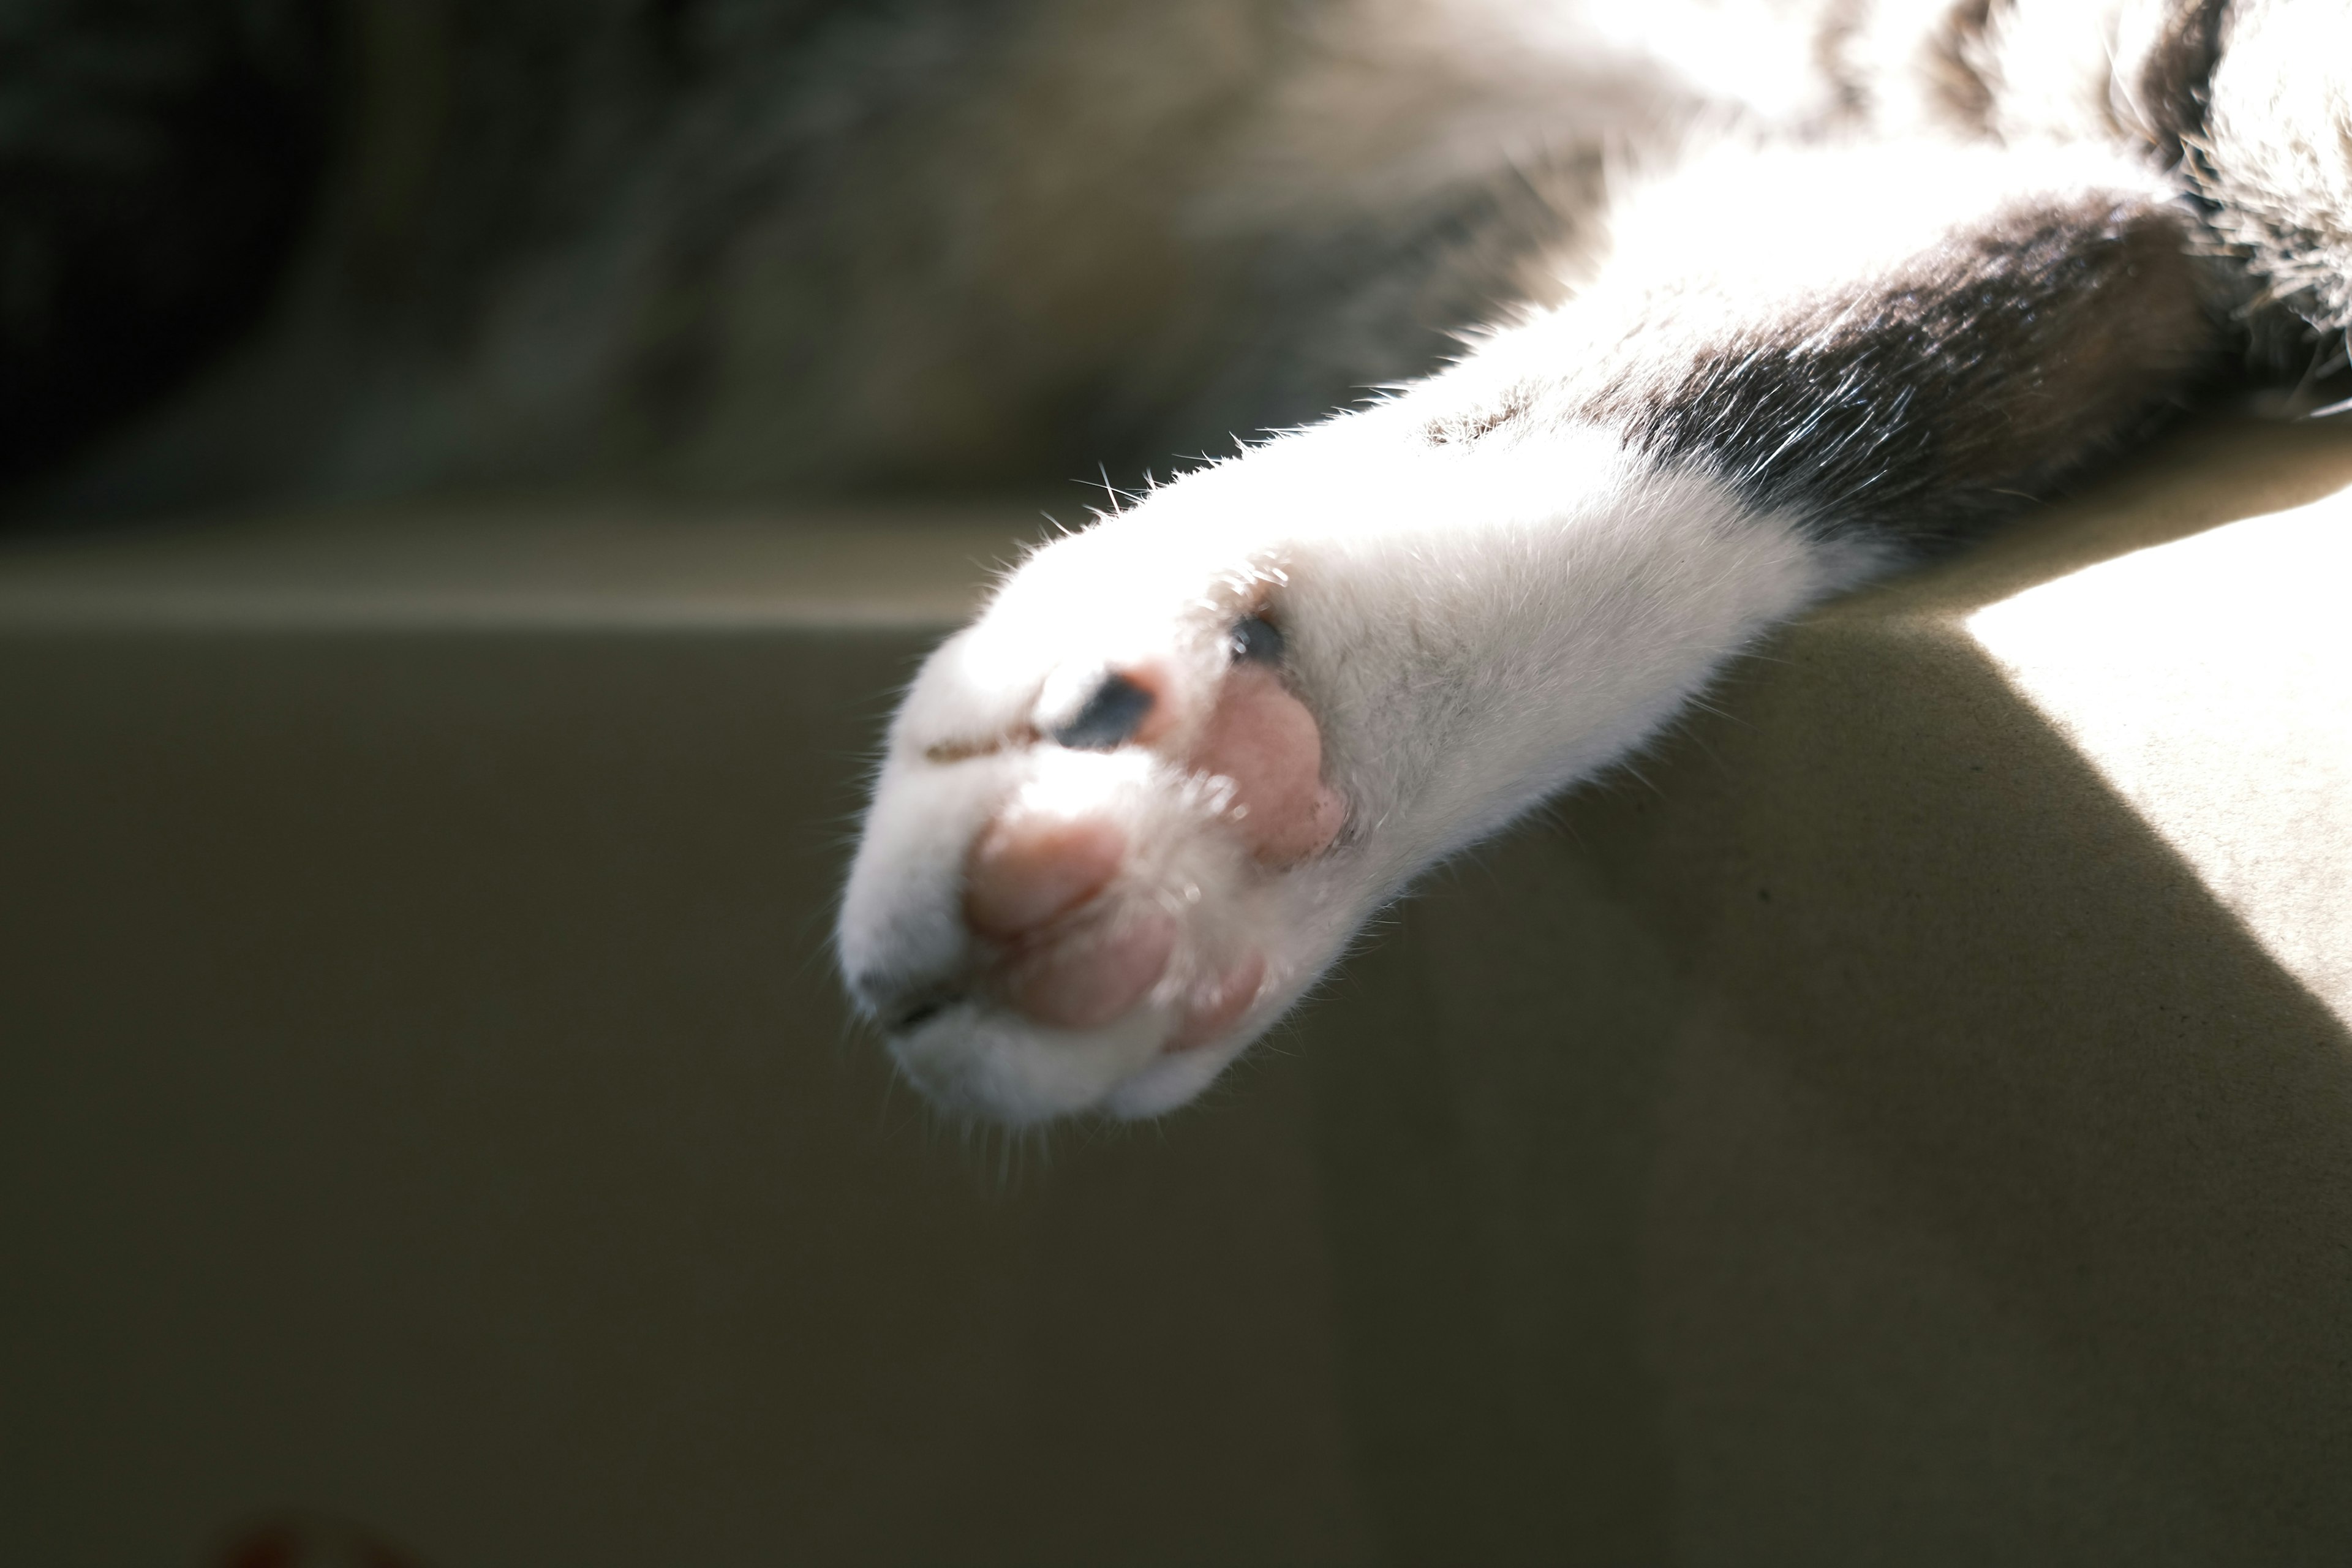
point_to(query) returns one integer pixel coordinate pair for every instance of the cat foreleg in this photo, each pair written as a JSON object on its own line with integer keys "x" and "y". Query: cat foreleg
{"x": 1127, "y": 818}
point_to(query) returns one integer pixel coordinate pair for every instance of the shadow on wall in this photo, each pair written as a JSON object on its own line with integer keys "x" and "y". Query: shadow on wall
{"x": 1867, "y": 1140}
{"x": 425, "y": 1098}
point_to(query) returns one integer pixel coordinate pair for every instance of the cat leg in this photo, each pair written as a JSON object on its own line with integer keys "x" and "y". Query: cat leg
{"x": 1127, "y": 818}
{"x": 1135, "y": 811}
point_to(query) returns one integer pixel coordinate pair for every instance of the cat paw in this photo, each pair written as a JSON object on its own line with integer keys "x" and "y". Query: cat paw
{"x": 1085, "y": 879}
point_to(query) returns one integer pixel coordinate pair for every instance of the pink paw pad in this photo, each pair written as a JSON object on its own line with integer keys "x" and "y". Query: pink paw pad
{"x": 1030, "y": 881}
{"x": 1025, "y": 872}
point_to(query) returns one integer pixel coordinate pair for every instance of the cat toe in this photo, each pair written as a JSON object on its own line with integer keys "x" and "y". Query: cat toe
{"x": 1027, "y": 871}
{"x": 1094, "y": 974}
{"x": 1260, "y": 736}
{"x": 1211, "y": 1014}
{"x": 1028, "y": 884}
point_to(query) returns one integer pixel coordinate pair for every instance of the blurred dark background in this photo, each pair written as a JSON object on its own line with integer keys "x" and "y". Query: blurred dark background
{"x": 159, "y": 161}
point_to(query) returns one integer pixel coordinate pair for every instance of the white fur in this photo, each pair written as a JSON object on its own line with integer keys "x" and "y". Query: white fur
{"x": 1474, "y": 627}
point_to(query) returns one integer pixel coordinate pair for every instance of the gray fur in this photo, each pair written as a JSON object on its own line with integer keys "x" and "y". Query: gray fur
{"x": 750, "y": 248}
{"x": 1949, "y": 394}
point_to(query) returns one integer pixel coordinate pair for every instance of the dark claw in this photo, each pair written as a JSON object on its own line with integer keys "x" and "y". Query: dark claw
{"x": 1110, "y": 718}
{"x": 1257, "y": 639}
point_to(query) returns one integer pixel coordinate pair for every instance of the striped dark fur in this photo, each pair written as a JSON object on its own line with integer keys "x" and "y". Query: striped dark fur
{"x": 1970, "y": 383}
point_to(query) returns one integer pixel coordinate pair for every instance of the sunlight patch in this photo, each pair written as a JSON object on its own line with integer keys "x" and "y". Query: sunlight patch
{"x": 2210, "y": 681}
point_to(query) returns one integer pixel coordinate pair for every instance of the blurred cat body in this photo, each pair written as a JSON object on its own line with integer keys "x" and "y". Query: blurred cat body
{"x": 753, "y": 246}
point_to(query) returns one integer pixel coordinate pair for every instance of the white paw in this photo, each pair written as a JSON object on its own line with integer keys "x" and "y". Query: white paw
{"x": 1131, "y": 814}
{"x": 1080, "y": 885}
